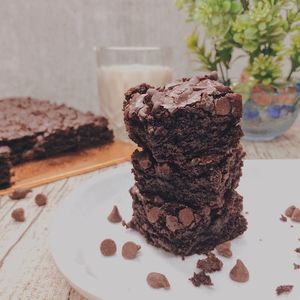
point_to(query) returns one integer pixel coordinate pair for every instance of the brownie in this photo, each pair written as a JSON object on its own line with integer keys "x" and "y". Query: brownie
{"x": 196, "y": 183}
{"x": 5, "y": 167}
{"x": 188, "y": 118}
{"x": 182, "y": 230}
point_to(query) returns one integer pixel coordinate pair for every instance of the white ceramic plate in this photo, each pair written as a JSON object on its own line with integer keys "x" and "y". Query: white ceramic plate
{"x": 267, "y": 248}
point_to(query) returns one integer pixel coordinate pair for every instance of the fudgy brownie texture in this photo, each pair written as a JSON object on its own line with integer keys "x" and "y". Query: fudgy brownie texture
{"x": 5, "y": 167}
{"x": 186, "y": 119}
{"x": 34, "y": 129}
{"x": 179, "y": 229}
{"x": 197, "y": 183}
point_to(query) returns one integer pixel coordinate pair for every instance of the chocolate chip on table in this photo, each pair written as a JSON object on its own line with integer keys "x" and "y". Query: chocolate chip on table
{"x": 18, "y": 214}
{"x": 284, "y": 289}
{"x": 210, "y": 264}
{"x": 41, "y": 199}
{"x": 283, "y": 218}
{"x": 289, "y": 211}
{"x": 224, "y": 249}
{"x": 19, "y": 193}
{"x": 239, "y": 272}
{"x": 114, "y": 216}
{"x": 296, "y": 266}
{"x": 157, "y": 281}
{"x": 108, "y": 247}
{"x": 130, "y": 250}
{"x": 201, "y": 278}
{"x": 296, "y": 215}
{"x": 297, "y": 250}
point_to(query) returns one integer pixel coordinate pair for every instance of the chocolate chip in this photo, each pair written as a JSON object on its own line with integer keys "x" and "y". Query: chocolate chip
{"x": 157, "y": 281}
{"x": 283, "y": 218}
{"x": 201, "y": 278}
{"x": 145, "y": 163}
{"x": 239, "y": 272}
{"x": 114, "y": 216}
{"x": 213, "y": 75}
{"x": 296, "y": 215}
{"x": 19, "y": 193}
{"x": 41, "y": 199}
{"x": 297, "y": 250}
{"x": 186, "y": 217}
{"x": 153, "y": 215}
{"x": 210, "y": 264}
{"x": 18, "y": 214}
{"x": 224, "y": 249}
{"x": 172, "y": 223}
{"x": 130, "y": 250}
{"x": 108, "y": 247}
{"x": 296, "y": 266}
{"x": 289, "y": 211}
{"x": 284, "y": 289}
{"x": 222, "y": 106}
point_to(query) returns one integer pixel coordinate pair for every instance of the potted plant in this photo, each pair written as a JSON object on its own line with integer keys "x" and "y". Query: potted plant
{"x": 267, "y": 34}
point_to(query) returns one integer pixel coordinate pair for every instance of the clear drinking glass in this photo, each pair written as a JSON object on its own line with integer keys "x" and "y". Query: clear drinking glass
{"x": 120, "y": 68}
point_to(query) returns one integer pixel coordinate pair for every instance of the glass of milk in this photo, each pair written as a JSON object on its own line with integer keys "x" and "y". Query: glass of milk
{"x": 120, "y": 68}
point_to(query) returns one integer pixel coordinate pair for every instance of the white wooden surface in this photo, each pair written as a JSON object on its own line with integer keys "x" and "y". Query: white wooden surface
{"x": 27, "y": 270}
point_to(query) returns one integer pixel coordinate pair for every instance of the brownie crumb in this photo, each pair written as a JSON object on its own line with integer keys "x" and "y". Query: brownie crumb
{"x": 289, "y": 211}
{"x": 130, "y": 250}
{"x": 224, "y": 249}
{"x": 41, "y": 199}
{"x": 114, "y": 216}
{"x": 296, "y": 215}
{"x": 19, "y": 193}
{"x": 297, "y": 250}
{"x": 201, "y": 278}
{"x": 296, "y": 266}
{"x": 210, "y": 264}
{"x": 239, "y": 272}
{"x": 283, "y": 218}
{"x": 157, "y": 281}
{"x": 18, "y": 214}
{"x": 108, "y": 247}
{"x": 284, "y": 289}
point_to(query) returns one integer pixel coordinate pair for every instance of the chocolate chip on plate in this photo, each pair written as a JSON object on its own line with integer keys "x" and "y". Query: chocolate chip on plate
{"x": 224, "y": 249}
{"x": 19, "y": 193}
{"x": 289, "y": 211}
{"x": 210, "y": 264}
{"x": 296, "y": 266}
{"x": 296, "y": 215}
{"x": 108, "y": 247}
{"x": 239, "y": 272}
{"x": 114, "y": 216}
{"x": 41, "y": 199}
{"x": 157, "y": 281}
{"x": 284, "y": 289}
{"x": 18, "y": 214}
{"x": 130, "y": 250}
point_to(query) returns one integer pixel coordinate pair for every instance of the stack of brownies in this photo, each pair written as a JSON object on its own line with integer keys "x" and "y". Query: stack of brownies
{"x": 184, "y": 198}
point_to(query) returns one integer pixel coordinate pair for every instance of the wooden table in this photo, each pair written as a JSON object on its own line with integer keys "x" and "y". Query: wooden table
{"x": 27, "y": 270}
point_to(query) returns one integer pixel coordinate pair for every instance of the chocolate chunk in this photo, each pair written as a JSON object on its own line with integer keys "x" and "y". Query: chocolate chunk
{"x": 239, "y": 272}
{"x": 224, "y": 249}
{"x": 153, "y": 215}
{"x": 223, "y": 106}
{"x": 297, "y": 250}
{"x": 201, "y": 278}
{"x": 289, "y": 211}
{"x": 186, "y": 217}
{"x": 283, "y": 218}
{"x": 210, "y": 264}
{"x": 130, "y": 250}
{"x": 213, "y": 75}
{"x": 145, "y": 163}
{"x": 172, "y": 223}
{"x": 114, "y": 216}
{"x": 296, "y": 266}
{"x": 18, "y": 214}
{"x": 108, "y": 247}
{"x": 157, "y": 281}
{"x": 296, "y": 215}
{"x": 284, "y": 289}
{"x": 41, "y": 199}
{"x": 19, "y": 193}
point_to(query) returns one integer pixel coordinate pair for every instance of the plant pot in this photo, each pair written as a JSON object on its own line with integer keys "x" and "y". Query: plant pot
{"x": 268, "y": 114}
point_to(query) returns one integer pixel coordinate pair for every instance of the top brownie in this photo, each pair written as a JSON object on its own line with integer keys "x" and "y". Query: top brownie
{"x": 188, "y": 118}
{"x": 34, "y": 128}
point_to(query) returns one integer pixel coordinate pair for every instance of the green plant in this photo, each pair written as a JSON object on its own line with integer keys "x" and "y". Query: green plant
{"x": 260, "y": 28}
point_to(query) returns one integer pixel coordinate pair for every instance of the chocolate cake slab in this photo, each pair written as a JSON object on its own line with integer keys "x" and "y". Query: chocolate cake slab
{"x": 184, "y": 231}
{"x": 188, "y": 118}
{"x": 5, "y": 167}
{"x": 34, "y": 129}
{"x": 197, "y": 183}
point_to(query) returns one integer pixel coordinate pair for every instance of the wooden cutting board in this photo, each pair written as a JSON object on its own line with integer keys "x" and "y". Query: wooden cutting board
{"x": 36, "y": 173}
